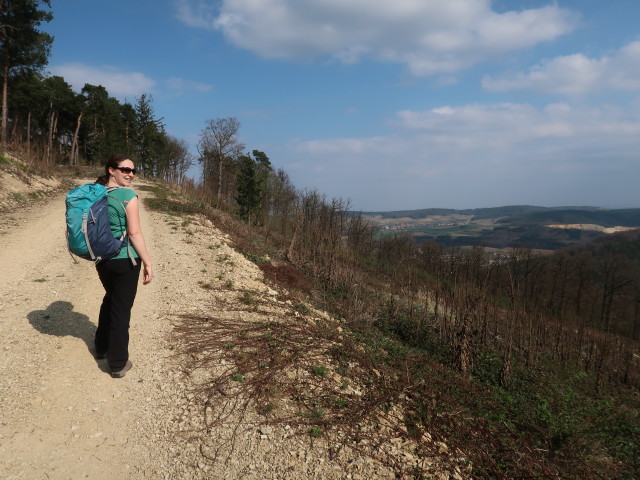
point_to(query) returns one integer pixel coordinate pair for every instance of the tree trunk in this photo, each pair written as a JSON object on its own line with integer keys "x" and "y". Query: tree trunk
{"x": 505, "y": 370}
{"x": 13, "y": 138}
{"x": 5, "y": 108}
{"x": 291, "y": 250}
{"x": 52, "y": 122}
{"x": 54, "y": 132}
{"x": 220, "y": 167}
{"x": 48, "y": 155}
{"x": 29, "y": 136}
{"x": 74, "y": 146}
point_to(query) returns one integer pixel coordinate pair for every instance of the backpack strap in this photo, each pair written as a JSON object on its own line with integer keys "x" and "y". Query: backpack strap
{"x": 85, "y": 230}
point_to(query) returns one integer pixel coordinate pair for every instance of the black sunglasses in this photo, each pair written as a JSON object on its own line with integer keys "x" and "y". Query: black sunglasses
{"x": 126, "y": 170}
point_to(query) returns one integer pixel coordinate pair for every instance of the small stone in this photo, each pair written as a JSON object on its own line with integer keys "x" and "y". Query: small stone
{"x": 442, "y": 447}
{"x": 409, "y": 457}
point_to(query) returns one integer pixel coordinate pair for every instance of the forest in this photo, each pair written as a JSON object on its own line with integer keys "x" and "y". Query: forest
{"x": 529, "y": 363}
{"x": 45, "y": 120}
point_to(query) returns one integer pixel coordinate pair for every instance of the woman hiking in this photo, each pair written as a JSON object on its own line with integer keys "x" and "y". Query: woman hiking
{"x": 119, "y": 275}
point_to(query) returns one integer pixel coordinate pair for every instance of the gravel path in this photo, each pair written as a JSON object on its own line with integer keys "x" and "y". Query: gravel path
{"x": 63, "y": 416}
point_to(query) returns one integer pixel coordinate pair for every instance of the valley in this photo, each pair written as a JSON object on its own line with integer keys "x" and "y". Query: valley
{"x": 541, "y": 228}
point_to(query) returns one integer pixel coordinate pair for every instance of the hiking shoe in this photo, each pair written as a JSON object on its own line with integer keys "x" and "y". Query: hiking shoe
{"x": 121, "y": 373}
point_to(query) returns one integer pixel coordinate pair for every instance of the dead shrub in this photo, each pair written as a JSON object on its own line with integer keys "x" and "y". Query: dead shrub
{"x": 286, "y": 276}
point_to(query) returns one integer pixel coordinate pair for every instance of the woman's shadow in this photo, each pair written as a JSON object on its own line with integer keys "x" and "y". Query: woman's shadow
{"x": 60, "y": 320}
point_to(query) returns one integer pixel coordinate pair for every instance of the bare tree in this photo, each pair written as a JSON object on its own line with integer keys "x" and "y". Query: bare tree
{"x": 282, "y": 195}
{"x": 218, "y": 146}
{"x": 178, "y": 160}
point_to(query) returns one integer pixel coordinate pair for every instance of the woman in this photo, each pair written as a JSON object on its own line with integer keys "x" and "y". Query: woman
{"x": 119, "y": 275}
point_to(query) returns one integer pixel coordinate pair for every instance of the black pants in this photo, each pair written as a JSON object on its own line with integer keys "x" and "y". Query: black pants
{"x": 120, "y": 280}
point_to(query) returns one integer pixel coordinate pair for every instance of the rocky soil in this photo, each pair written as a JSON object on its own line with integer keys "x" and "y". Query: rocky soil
{"x": 64, "y": 417}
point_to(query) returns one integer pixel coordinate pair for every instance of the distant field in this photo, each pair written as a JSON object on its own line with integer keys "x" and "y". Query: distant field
{"x": 428, "y": 220}
{"x": 454, "y": 230}
{"x": 521, "y": 225}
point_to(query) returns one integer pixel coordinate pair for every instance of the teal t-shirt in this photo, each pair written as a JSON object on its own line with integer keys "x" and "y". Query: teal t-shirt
{"x": 117, "y": 199}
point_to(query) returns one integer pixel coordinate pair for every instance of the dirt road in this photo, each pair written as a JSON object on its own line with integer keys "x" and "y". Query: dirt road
{"x": 63, "y": 416}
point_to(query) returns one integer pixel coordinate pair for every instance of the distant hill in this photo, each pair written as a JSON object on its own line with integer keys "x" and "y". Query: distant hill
{"x": 502, "y": 227}
{"x": 629, "y": 217}
{"x": 477, "y": 213}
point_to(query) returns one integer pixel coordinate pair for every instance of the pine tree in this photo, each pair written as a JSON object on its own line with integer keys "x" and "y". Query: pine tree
{"x": 251, "y": 185}
{"x": 150, "y": 138}
{"x": 22, "y": 46}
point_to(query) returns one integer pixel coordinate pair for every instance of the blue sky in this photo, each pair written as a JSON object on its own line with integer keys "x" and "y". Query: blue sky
{"x": 393, "y": 105}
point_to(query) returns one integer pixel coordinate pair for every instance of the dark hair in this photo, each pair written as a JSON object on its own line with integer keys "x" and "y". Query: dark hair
{"x": 114, "y": 162}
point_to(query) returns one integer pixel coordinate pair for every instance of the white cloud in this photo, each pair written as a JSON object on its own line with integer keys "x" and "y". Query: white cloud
{"x": 119, "y": 84}
{"x": 576, "y": 74}
{"x": 196, "y": 14}
{"x": 482, "y": 155}
{"x": 429, "y": 36}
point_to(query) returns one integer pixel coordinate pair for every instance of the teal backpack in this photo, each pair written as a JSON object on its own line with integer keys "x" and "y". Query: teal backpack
{"x": 89, "y": 234}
